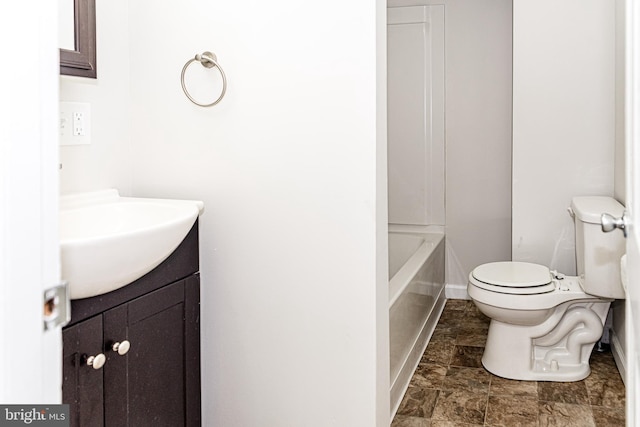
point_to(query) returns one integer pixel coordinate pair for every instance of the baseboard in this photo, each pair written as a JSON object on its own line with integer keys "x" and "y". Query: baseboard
{"x": 618, "y": 355}
{"x": 453, "y": 291}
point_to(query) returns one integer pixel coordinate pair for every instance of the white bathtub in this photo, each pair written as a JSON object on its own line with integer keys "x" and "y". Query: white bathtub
{"x": 416, "y": 298}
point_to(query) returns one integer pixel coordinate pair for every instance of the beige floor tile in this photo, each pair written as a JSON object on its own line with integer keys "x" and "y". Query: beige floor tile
{"x": 440, "y": 353}
{"x": 606, "y": 391}
{"x": 603, "y": 364}
{"x": 504, "y": 387}
{"x": 564, "y": 415}
{"x": 574, "y": 392}
{"x": 429, "y": 375}
{"x": 418, "y": 402}
{"x": 456, "y": 305}
{"x": 608, "y": 417}
{"x": 467, "y": 379}
{"x": 405, "y": 421}
{"x": 450, "y": 318}
{"x": 473, "y": 336}
{"x": 444, "y": 333}
{"x": 441, "y": 423}
{"x": 466, "y": 356}
{"x": 460, "y": 406}
{"x": 512, "y": 412}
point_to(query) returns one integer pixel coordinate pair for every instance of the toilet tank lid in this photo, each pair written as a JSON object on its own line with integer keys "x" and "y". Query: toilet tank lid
{"x": 590, "y": 208}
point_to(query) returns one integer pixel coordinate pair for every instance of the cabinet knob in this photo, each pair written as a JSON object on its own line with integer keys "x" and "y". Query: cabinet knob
{"x": 121, "y": 347}
{"x": 97, "y": 361}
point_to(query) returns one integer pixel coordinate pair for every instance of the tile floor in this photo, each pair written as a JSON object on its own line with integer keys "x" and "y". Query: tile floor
{"x": 451, "y": 388}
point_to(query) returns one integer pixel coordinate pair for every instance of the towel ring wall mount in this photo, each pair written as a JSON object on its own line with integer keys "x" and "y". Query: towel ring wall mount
{"x": 208, "y": 60}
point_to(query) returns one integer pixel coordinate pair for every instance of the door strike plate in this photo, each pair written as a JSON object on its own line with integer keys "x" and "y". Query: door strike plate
{"x": 57, "y": 306}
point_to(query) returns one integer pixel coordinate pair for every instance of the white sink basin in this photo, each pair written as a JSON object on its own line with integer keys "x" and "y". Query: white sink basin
{"x": 108, "y": 241}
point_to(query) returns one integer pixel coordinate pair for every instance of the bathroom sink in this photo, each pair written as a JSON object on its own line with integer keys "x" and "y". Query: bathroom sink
{"x": 108, "y": 241}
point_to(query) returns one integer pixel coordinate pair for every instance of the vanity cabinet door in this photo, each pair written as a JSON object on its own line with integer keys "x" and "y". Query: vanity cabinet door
{"x": 82, "y": 386}
{"x": 157, "y": 381}
{"x": 153, "y": 384}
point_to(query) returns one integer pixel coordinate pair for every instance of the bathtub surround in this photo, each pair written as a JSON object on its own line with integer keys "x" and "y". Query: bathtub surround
{"x": 416, "y": 184}
{"x": 415, "y": 88}
{"x": 477, "y": 133}
{"x": 455, "y": 113}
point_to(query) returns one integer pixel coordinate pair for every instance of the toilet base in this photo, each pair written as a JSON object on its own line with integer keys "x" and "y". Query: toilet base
{"x": 556, "y": 350}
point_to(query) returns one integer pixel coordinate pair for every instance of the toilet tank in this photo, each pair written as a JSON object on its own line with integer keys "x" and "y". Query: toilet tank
{"x": 598, "y": 253}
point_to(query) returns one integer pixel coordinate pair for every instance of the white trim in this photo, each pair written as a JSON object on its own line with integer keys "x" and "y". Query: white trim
{"x": 456, "y": 291}
{"x": 618, "y": 355}
{"x": 632, "y": 175}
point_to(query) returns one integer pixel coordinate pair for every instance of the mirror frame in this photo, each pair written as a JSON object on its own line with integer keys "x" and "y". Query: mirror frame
{"x": 82, "y": 61}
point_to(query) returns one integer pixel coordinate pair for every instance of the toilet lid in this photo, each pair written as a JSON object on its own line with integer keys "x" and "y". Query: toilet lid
{"x": 520, "y": 278}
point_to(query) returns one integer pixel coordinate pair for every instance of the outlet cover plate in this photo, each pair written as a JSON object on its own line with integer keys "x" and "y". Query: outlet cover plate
{"x": 69, "y": 111}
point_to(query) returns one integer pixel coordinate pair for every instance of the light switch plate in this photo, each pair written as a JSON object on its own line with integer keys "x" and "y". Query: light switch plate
{"x": 75, "y": 123}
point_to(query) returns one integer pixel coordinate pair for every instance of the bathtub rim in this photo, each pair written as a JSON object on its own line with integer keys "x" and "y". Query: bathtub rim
{"x": 433, "y": 236}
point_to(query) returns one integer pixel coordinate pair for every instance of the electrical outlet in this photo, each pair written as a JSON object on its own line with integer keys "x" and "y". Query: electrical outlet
{"x": 78, "y": 123}
{"x": 75, "y": 123}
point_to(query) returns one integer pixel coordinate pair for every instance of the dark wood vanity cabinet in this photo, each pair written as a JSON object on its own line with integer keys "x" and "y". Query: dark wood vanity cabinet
{"x": 157, "y": 381}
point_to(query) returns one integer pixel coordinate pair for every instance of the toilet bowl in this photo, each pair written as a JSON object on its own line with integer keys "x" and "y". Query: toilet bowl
{"x": 544, "y": 324}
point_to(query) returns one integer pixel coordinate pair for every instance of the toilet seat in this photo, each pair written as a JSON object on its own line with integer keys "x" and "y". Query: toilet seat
{"x": 533, "y": 287}
{"x": 514, "y": 278}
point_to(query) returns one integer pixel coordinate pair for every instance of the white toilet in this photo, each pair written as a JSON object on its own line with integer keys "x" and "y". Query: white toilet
{"x": 544, "y": 324}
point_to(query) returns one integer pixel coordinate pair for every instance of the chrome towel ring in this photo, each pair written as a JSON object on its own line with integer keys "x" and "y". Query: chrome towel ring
{"x": 208, "y": 60}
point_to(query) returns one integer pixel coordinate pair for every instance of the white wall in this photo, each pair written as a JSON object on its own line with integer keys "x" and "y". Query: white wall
{"x": 478, "y": 134}
{"x": 563, "y": 121}
{"x": 107, "y": 161}
{"x": 478, "y": 115}
{"x": 292, "y": 169}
